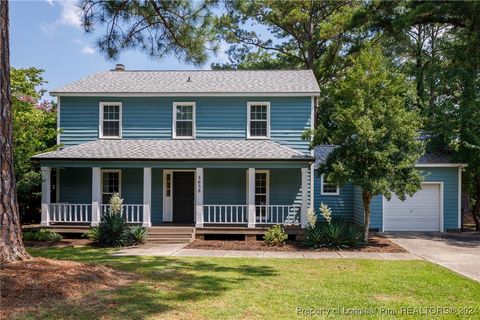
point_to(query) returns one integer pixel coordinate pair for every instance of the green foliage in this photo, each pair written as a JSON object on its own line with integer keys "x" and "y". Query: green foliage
{"x": 376, "y": 131}
{"x": 34, "y": 131}
{"x": 301, "y": 34}
{"x": 275, "y": 236}
{"x": 159, "y": 28}
{"x": 335, "y": 235}
{"x": 137, "y": 235}
{"x": 42, "y": 235}
{"x": 112, "y": 231}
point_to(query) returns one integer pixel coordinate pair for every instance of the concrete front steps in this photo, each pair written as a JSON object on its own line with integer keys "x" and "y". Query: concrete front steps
{"x": 171, "y": 234}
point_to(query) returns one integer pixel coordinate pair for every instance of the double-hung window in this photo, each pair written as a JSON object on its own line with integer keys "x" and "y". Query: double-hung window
{"x": 327, "y": 188}
{"x": 111, "y": 184}
{"x": 258, "y": 123}
{"x": 110, "y": 120}
{"x": 184, "y": 120}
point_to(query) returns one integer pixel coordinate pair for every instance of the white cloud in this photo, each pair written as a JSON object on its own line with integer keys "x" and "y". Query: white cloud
{"x": 69, "y": 16}
{"x": 88, "y": 50}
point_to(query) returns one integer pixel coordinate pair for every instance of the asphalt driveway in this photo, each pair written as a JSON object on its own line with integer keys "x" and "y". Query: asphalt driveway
{"x": 457, "y": 252}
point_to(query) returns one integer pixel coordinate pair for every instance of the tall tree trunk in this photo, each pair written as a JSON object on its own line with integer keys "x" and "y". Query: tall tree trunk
{"x": 11, "y": 244}
{"x": 367, "y": 198}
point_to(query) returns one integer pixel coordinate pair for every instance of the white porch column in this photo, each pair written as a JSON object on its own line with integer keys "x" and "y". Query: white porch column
{"x": 147, "y": 197}
{"x": 45, "y": 196}
{"x": 199, "y": 198}
{"x": 251, "y": 198}
{"x": 304, "y": 208}
{"x": 96, "y": 195}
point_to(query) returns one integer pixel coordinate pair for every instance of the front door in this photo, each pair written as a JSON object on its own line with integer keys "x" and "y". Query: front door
{"x": 183, "y": 197}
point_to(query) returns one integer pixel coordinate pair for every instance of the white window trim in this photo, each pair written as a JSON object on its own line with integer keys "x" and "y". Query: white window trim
{"x": 267, "y": 172}
{"x": 119, "y": 181}
{"x": 174, "y": 119}
{"x": 249, "y": 106}
{"x": 323, "y": 193}
{"x": 100, "y": 122}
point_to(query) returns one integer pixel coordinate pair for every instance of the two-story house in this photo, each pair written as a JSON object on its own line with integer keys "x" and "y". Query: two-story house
{"x": 213, "y": 149}
{"x": 209, "y": 148}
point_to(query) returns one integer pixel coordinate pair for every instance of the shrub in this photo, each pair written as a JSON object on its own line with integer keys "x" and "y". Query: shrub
{"x": 336, "y": 235}
{"x": 137, "y": 235}
{"x": 275, "y": 236}
{"x": 42, "y": 235}
{"x": 113, "y": 230}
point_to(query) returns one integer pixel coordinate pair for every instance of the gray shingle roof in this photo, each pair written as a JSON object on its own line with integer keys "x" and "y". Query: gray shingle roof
{"x": 176, "y": 150}
{"x": 195, "y": 82}
{"x": 322, "y": 152}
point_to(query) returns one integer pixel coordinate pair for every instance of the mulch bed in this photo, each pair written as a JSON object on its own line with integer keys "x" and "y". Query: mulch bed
{"x": 376, "y": 244}
{"x": 27, "y": 285}
{"x": 58, "y": 244}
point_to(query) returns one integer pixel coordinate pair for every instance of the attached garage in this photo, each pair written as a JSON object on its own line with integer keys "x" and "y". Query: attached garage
{"x": 422, "y": 212}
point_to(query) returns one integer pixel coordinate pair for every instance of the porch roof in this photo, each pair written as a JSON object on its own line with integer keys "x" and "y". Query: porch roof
{"x": 159, "y": 150}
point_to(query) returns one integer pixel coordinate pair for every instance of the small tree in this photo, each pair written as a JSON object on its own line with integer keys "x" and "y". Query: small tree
{"x": 376, "y": 133}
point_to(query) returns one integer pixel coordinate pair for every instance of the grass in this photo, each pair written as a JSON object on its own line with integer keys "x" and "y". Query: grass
{"x": 229, "y": 288}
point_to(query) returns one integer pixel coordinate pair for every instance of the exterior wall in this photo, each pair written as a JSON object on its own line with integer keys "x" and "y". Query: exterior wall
{"x": 157, "y": 196}
{"x": 341, "y": 205}
{"x": 285, "y": 186}
{"x": 216, "y": 118}
{"x": 449, "y": 177}
{"x": 224, "y": 186}
{"x": 75, "y": 185}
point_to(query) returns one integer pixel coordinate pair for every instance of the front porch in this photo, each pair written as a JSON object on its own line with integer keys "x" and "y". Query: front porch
{"x": 237, "y": 197}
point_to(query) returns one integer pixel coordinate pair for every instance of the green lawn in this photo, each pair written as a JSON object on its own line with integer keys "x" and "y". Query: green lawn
{"x": 221, "y": 288}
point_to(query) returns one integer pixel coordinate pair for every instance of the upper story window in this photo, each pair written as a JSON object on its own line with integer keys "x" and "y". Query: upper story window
{"x": 258, "y": 123}
{"x": 329, "y": 189}
{"x": 183, "y": 120}
{"x": 111, "y": 184}
{"x": 110, "y": 120}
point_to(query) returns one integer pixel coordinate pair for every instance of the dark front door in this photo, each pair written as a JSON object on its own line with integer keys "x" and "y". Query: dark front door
{"x": 183, "y": 197}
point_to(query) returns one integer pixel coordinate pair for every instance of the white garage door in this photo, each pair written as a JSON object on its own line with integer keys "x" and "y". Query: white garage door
{"x": 418, "y": 213}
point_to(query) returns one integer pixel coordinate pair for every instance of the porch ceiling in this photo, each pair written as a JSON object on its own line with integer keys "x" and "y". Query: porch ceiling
{"x": 168, "y": 150}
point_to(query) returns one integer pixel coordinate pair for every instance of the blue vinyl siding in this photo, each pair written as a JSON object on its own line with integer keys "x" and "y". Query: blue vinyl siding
{"x": 357, "y": 205}
{"x": 375, "y": 209}
{"x": 132, "y": 186}
{"x": 285, "y": 186}
{"x": 157, "y": 196}
{"x": 449, "y": 177}
{"x": 75, "y": 185}
{"x": 341, "y": 205}
{"x": 216, "y": 118}
{"x": 225, "y": 186}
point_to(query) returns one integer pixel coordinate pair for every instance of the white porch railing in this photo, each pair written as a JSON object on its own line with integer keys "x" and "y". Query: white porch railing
{"x": 132, "y": 212}
{"x": 229, "y": 214}
{"x": 70, "y": 212}
{"x": 277, "y": 214}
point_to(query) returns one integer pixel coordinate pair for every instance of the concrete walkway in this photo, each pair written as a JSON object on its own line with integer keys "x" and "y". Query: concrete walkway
{"x": 178, "y": 250}
{"x": 457, "y": 252}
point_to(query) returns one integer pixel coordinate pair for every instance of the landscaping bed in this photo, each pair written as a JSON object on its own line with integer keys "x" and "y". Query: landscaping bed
{"x": 58, "y": 244}
{"x": 377, "y": 243}
{"x": 30, "y": 284}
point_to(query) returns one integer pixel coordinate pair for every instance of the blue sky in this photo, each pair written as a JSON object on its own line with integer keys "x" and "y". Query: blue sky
{"x": 48, "y": 35}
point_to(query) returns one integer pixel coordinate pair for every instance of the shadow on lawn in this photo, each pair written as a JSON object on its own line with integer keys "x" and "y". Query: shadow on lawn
{"x": 163, "y": 284}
